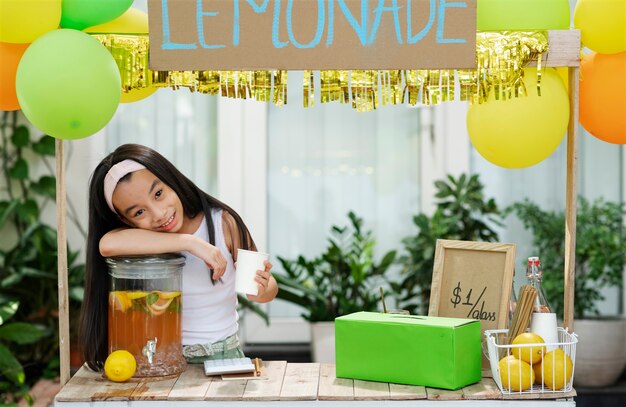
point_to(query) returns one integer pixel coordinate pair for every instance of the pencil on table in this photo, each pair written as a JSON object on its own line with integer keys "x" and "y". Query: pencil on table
{"x": 257, "y": 366}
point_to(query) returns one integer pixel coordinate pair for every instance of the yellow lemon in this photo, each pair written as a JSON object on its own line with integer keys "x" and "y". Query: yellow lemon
{"x": 160, "y": 306}
{"x": 515, "y": 374}
{"x": 120, "y": 366}
{"x": 118, "y": 300}
{"x": 134, "y": 295}
{"x": 529, "y": 354}
{"x": 555, "y": 370}
{"x": 168, "y": 294}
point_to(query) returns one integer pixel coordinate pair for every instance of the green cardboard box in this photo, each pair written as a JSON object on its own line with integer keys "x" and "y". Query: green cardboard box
{"x": 408, "y": 349}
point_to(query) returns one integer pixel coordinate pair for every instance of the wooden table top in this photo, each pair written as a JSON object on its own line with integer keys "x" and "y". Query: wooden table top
{"x": 281, "y": 381}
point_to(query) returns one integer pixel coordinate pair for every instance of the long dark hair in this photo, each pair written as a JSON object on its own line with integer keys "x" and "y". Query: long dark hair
{"x": 93, "y": 325}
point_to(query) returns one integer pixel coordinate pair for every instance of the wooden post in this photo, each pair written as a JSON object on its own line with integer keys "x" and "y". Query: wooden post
{"x": 64, "y": 320}
{"x": 570, "y": 201}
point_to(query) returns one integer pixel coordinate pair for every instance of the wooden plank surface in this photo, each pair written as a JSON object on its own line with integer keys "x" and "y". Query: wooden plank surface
{"x": 333, "y": 388}
{"x": 440, "y": 394}
{"x": 87, "y": 386}
{"x": 151, "y": 388}
{"x": 366, "y": 390}
{"x": 563, "y": 49}
{"x": 259, "y": 390}
{"x": 80, "y": 387}
{"x": 301, "y": 381}
{"x": 293, "y": 381}
{"x": 406, "y": 392}
{"x": 192, "y": 384}
{"x": 486, "y": 389}
{"x": 226, "y": 390}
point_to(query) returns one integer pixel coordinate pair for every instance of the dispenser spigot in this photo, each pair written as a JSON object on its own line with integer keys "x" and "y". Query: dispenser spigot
{"x": 150, "y": 349}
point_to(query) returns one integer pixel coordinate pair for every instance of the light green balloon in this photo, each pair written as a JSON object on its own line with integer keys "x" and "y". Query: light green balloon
{"x": 522, "y": 15}
{"x": 68, "y": 84}
{"x": 80, "y": 14}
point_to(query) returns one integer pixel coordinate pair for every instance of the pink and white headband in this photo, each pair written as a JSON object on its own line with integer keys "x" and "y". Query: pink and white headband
{"x": 117, "y": 172}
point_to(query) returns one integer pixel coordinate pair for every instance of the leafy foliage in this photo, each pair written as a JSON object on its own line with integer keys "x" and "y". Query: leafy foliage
{"x": 28, "y": 259}
{"x": 462, "y": 213}
{"x": 12, "y": 376}
{"x": 343, "y": 279}
{"x": 600, "y": 250}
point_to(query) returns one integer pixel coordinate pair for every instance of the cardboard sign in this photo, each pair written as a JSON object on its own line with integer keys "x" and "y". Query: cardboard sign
{"x": 311, "y": 34}
{"x": 473, "y": 280}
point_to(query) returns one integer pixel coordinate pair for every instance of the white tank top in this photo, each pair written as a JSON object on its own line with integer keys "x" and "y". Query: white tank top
{"x": 209, "y": 310}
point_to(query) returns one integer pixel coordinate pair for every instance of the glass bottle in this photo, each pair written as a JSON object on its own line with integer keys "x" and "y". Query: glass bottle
{"x": 145, "y": 304}
{"x": 543, "y": 322}
{"x": 512, "y": 300}
{"x": 534, "y": 272}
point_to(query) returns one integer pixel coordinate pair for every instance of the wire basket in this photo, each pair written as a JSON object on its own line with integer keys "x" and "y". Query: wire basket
{"x": 516, "y": 377}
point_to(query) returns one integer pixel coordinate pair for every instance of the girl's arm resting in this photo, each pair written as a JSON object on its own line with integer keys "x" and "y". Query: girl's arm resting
{"x": 124, "y": 242}
{"x": 128, "y": 242}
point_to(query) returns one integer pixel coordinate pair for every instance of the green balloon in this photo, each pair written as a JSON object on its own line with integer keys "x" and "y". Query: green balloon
{"x": 68, "y": 84}
{"x": 80, "y": 14}
{"x": 521, "y": 15}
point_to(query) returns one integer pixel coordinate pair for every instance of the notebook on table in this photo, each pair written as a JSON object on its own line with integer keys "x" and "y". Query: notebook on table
{"x": 228, "y": 366}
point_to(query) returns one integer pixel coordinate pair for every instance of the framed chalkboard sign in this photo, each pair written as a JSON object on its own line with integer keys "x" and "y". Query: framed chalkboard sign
{"x": 472, "y": 280}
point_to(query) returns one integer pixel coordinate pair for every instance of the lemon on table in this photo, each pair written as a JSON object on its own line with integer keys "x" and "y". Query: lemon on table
{"x": 515, "y": 374}
{"x": 555, "y": 370}
{"x": 529, "y": 354}
{"x": 120, "y": 366}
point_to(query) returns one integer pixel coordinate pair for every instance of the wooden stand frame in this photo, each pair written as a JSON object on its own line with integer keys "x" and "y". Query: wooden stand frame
{"x": 564, "y": 51}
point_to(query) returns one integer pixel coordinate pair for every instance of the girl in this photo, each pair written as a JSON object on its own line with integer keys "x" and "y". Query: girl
{"x": 140, "y": 204}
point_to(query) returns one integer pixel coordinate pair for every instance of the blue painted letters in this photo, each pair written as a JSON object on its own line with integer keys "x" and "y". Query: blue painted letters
{"x": 167, "y": 42}
{"x": 396, "y": 19}
{"x": 284, "y": 17}
{"x": 441, "y": 21}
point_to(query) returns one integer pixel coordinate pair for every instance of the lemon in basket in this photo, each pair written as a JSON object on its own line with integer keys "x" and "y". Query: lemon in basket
{"x": 529, "y": 354}
{"x": 555, "y": 370}
{"x": 515, "y": 374}
{"x": 120, "y": 366}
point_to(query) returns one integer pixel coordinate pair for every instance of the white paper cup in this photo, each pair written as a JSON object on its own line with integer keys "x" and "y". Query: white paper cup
{"x": 248, "y": 262}
{"x": 544, "y": 325}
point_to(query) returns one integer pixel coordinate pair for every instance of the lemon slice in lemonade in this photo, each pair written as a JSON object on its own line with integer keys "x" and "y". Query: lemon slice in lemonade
{"x": 119, "y": 300}
{"x": 134, "y": 295}
{"x": 166, "y": 295}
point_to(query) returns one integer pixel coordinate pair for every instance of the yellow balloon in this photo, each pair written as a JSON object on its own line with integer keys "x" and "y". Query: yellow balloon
{"x": 522, "y": 131}
{"x": 137, "y": 94}
{"x": 563, "y": 72}
{"x": 133, "y": 21}
{"x": 602, "y": 25}
{"x": 24, "y": 21}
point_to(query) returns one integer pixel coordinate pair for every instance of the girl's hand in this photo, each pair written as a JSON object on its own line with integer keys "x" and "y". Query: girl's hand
{"x": 211, "y": 255}
{"x": 262, "y": 278}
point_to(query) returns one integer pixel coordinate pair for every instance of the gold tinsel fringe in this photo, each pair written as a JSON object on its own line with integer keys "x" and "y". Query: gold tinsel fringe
{"x": 500, "y": 57}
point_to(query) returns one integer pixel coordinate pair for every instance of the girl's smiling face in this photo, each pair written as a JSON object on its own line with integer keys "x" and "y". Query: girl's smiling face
{"x": 143, "y": 201}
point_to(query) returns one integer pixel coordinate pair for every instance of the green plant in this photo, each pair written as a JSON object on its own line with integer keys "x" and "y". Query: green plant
{"x": 600, "y": 250}
{"x": 28, "y": 252}
{"x": 462, "y": 213}
{"x": 12, "y": 378}
{"x": 343, "y": 279}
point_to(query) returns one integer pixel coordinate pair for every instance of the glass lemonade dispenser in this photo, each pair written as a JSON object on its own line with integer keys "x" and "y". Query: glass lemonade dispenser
{"x": 145, "y": 305}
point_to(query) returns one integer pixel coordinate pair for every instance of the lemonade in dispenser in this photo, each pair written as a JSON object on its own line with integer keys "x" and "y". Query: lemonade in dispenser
{"x": 145, "y": 305}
